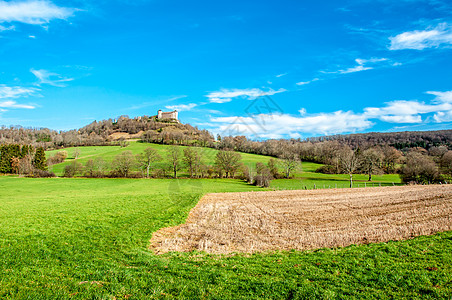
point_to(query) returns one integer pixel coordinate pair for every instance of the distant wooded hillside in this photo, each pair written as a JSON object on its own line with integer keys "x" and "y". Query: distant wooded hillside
{"x": 107, "y": 132}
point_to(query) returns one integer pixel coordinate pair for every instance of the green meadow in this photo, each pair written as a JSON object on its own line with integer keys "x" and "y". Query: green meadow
{"x": 88, "y": 239}
{"x": 108, "y": 153}
{"x": 304, "y": 176}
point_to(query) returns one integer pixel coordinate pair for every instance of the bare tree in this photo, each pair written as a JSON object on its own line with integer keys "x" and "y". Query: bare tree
{"x": 370, "y": 161}
{"x": 420, "y": 169}
{"x": 349, "y": 162}
{"x": 192, "y": 159}
{"x": 26, "y": 165}
{"x": 123, "y": 163}
{"x": 174, "y": 157}
{"x": 391, "y": 157}
{"x": 146, "y": 159}
{"x": 228, "y": 161}
{"x": 289, "y": 161}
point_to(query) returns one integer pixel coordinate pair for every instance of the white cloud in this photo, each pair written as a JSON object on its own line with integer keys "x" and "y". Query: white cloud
{"x": 182, "y": 107}
{"x": 277, "y": 126}
{"x": 361, "y": 61}
{"x": 442, "y": 116}
{"x": 307, "y": 82}
{"x": 226, "y": 95}
{"x": 35, "y": 12}
{"x": 422, "y": 39}
{"x": 282, "y": 125}
{"x": 358, "y": 68}
{"x": 281, "y": 75}
{"x": 9, "y": 92}
{"x": 362, "y": 65}
{"x": 46, "y": 77}
{"x": 410, "y": 119}
{"x": 14, "y": 104}
{"x": 403, "y": 111}
{"x": 442, "y": 97}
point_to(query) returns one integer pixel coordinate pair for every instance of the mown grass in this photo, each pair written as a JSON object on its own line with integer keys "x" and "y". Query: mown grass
{"x": 88, "y": 239}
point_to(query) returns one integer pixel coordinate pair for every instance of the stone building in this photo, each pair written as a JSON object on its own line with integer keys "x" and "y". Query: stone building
{"x": 172, "y": 115}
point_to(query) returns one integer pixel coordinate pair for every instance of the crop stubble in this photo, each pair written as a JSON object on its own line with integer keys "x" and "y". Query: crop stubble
{"x": 301, "y": 220}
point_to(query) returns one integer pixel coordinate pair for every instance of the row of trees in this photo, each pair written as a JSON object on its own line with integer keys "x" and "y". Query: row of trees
{"x": 149, "y": 163}
{"x": 22, "y": 159}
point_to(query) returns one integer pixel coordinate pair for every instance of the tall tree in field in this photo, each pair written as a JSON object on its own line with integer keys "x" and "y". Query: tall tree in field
{"x": 228, "y": 161}
{"x": 174, "y": 158}
{"x": 349, "y": 162}
{"x": 149, "y": 156}
{"x": 192, "y": 159}
{"x": 370, "y": 161}
{"x": 124, "y": 163}
{"x": 39, "y": 161}
{"x": 391, "y": 156}
{"x": 289, "y": 161}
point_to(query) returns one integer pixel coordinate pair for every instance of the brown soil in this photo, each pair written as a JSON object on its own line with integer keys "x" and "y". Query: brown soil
{"x": 124, "y": 135}
{"x": 285, "y": 220}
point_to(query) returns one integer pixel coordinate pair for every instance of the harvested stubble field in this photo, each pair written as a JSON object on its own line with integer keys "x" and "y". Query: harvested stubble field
{"x": 284, "y": 220}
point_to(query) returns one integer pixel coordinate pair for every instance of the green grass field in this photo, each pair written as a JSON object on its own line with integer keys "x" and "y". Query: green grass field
{"x": 88, "y": 238}
{"x": 305, "y": 176}
{"x": 108, "y": 153}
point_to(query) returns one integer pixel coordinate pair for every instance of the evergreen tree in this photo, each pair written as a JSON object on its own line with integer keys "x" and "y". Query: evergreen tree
{"x": 40, "y": 162}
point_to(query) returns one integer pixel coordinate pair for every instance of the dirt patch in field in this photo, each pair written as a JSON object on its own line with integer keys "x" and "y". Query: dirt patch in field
{"x": 124, "y": 135}
{"x": 285, "y": 220}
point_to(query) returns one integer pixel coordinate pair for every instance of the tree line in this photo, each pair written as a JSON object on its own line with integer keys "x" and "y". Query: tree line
{"x": 23, "y": 159}
{"x": 98, "y": 133}
{"x": 150, "y": 164}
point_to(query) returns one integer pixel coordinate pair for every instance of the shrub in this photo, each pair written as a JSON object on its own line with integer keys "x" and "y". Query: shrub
{"x": 419, "y": 169}
{"x": 72, "y": 169}
{"x": 58, "y": 158}
{"x": 326, "y": 169}
{"x": 38, "y": 173}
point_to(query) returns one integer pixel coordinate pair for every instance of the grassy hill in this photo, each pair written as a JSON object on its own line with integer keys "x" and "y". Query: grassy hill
{"x": 108, "y": 153}
{"x": 305, "y": 177}
{"x": 88, "y": 239}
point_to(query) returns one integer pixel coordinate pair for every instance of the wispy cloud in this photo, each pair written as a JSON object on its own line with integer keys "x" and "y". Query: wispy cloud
{"x": 35, "y": 12}
{"x": 362, "y": 65}
{"x": 182, "y": 107}
{"x": 46, "y": 77}
{"x": 11, "y": 92}
{"x": 307, "y": 82}
{"x": 226, "y": 95}
{"x": 6, "y": 28}
{"x": 281, "y": 75}
{"x": 433, "y": 37}
{"x": 14, "y": 104}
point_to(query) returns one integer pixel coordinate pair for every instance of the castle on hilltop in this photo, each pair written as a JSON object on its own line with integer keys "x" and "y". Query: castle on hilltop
{"x": 172, "y": 115}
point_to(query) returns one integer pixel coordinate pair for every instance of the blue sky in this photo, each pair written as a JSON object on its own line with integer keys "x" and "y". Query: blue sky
{"x": 265, "y": 69}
